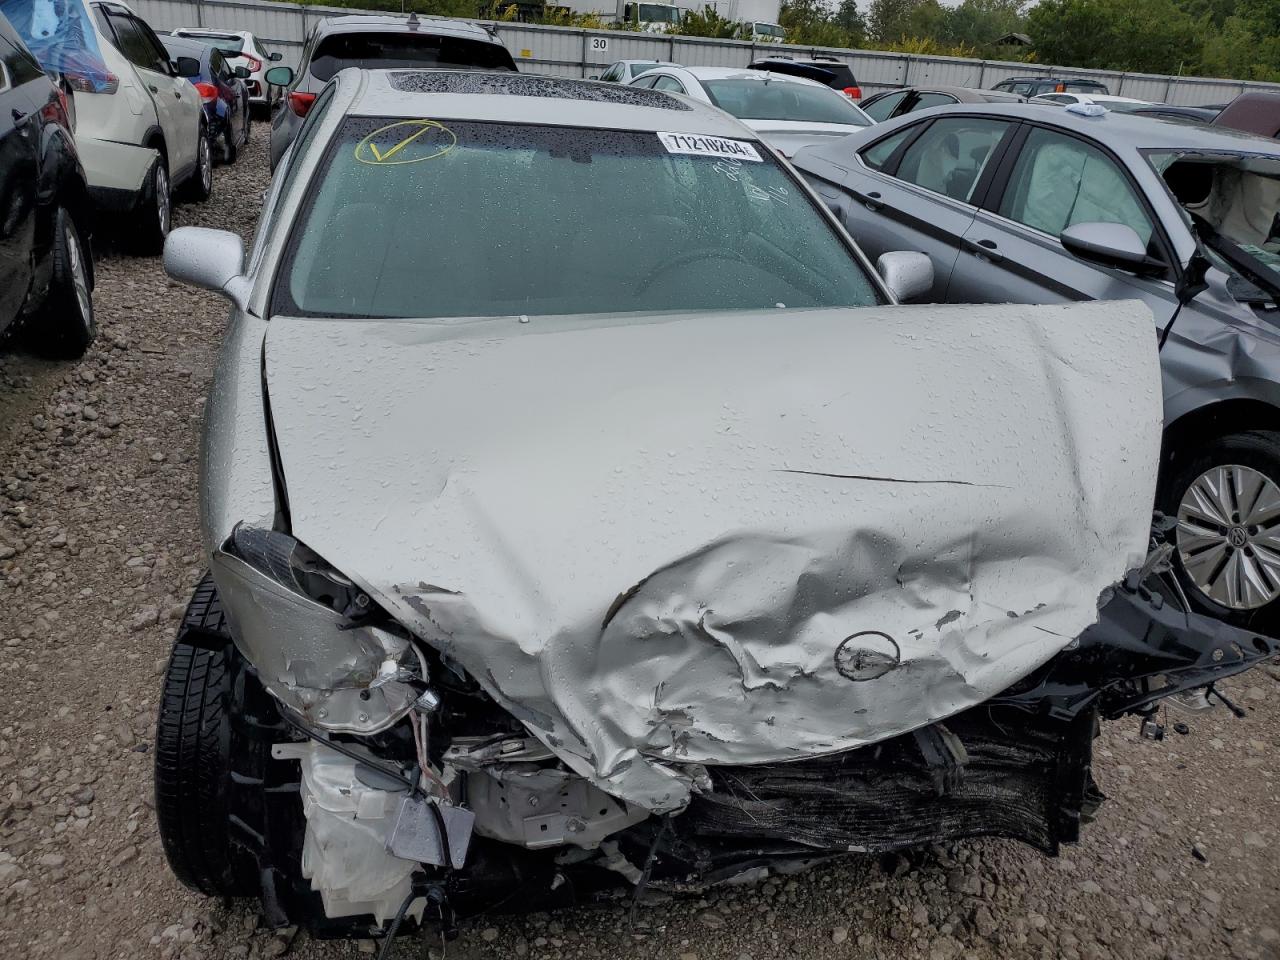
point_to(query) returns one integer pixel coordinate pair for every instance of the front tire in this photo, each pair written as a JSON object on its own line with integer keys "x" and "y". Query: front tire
{"x": 1226, "y": 498}
{"x": 154, "y": 217}
{"x": 65, "y": 324}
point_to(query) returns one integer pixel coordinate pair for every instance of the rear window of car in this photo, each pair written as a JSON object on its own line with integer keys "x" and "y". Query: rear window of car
{"x": 374, "y": 51}
{"x": 782, "y": 100}
{"x": 1077, "y": 86}
{"x": 413, "y": 218}
{"x": 229, "y": 44}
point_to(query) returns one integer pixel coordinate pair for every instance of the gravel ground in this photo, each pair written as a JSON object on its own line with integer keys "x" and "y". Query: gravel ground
{"x": 99, "y": 551}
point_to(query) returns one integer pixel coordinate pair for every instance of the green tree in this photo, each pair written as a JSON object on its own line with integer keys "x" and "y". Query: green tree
{"x": 888, "y": 21}
{"x": 706, "y": 23}
{"x": 813, "y": 23}
{"x": 1155, "y": 36}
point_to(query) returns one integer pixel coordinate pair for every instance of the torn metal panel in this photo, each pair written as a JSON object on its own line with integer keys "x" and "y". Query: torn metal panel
{"x": 648, "y": 539}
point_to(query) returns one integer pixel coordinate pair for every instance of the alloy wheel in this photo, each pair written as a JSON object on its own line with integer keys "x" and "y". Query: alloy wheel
{"x": 1229, "y": 536}
{"x": 79, "y": 276}
{"x": 163, "y": 200}
{"x": 206, "y": 165}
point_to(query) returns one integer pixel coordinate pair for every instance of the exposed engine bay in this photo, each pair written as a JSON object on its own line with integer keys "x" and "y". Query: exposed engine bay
{"x": 454, "y": 810}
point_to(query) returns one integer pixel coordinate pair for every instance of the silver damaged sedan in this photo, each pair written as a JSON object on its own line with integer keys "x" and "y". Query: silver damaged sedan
{"x": 583, "y": 512}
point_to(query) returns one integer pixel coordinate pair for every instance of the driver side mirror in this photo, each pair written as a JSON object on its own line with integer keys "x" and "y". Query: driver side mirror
{"x": 212, "y": 259}
{"x": 908, "y": 275}
{"x": 275, "y": 57}
{"x": 186, "y": 67}
{"x": 279, "y": 76}
{"x": 1108, "y": 244}
{"x": 242, "y": 73}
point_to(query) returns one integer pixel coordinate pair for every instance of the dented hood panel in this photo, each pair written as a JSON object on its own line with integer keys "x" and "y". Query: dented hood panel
{"x": 729, "y": 538}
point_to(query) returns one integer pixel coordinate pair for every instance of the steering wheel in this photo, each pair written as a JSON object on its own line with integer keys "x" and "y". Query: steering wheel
{"x": 686, "y": 258}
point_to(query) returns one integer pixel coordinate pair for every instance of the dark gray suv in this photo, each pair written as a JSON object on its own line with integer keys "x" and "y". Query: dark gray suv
{"x": 377, "y": 42}
{"x": 1035, "y": 204}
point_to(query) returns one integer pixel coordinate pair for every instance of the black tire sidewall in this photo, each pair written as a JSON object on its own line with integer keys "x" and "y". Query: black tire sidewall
{"x": 148, "y": 236}
{"x": 60, "y": 327}
{"x": 1259, "y": 449}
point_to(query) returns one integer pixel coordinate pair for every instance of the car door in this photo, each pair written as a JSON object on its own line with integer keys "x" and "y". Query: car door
{"x": 19, "y": 175}
{"x": 917, "y": 189}
{"x": 1048, "y": 181}
{"x": 143, "y": 51}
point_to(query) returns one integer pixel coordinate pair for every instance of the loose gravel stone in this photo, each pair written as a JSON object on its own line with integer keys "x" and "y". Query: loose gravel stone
{"x": 99, "y": 455}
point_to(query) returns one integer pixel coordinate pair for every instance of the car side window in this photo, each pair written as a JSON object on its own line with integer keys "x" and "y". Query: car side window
{"x": 131, "y": 42}
{"x": 1023, "y": 89}
{"x": 612, "y": 73}
{"x": 878, "y": 154}
{"x": 218, "y": 66}
{"x": 159, "y": 56}
{"x": 646, "y": 82}
{"x": 949, "y": 157}
{"x": 883, "y": 108}
{"x": 669, "y": 83}
{"x": 1059, "y": 180}
{"x": 17, "y": 67}
{"x": 926, "y": 100}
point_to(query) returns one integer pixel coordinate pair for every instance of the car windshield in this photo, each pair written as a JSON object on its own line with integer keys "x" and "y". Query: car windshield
{"x": 769, "y": 30}
{"x": 374, "y": 51}
{"x": 659, "y": 13}
{"x": 1238, "y": 198}
{"x": 639, "y": 68}
{"x": 418, "y": 218}
{"x": 752, "y": 99}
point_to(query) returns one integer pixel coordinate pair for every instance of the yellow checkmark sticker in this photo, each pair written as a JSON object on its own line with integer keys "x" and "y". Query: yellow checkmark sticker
{"x": 406, "y": 141}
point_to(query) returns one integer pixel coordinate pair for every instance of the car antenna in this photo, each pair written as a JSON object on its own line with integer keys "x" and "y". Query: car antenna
{"x": 413, "y": 20}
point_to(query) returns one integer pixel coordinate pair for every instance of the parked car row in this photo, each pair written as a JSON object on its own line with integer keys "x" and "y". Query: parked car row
{"x": 104, "y": 123}
{"x": 668, "y": 546}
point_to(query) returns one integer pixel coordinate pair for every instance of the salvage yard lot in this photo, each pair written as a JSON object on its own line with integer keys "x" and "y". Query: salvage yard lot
{"x": 99, "y": 551}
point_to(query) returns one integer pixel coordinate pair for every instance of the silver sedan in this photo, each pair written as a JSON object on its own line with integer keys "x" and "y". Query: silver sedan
{"x": 581, "y": 509}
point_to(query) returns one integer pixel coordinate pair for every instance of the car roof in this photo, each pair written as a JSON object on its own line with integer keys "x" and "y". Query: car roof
{"x": 1116, "y": 129}
{"x": 211, "y": 32}
{"x": 745, "y": 73}
{"x": 963, "y": 94}
{"x": 505, "y": 97}
{"x": 1053, "y": 78}
{"x": 370, "y": 23}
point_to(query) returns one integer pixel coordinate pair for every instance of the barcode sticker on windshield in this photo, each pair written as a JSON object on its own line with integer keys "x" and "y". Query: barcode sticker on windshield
{"x": 703, "y": 146}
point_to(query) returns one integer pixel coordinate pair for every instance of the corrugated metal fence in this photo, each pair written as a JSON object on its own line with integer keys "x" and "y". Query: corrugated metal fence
{"x": 569, "y": 52}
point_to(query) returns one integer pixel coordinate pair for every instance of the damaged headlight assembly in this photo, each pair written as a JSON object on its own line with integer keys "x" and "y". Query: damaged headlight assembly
{"x": 314, "y": 636}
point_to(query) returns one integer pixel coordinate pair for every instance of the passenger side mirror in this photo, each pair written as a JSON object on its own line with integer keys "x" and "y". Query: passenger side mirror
{"x": 212, "y": 259}
{"x": 908, "y": 275}
{"x": 1108, "y": 244}
{"x": 242, "y": 73}
{"x": 186, "y": 67}
{"x": 279, "y": 76}
{"x": 275, "y": 57}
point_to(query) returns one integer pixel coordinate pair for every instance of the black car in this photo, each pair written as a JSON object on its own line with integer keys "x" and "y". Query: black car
{"x": 836, "y": 74}
{"x": 46, "y": 266}
{"x": 223, "y": 93}
{"x": 1035, "y": 86}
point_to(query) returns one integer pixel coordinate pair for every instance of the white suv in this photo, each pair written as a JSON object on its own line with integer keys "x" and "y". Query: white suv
{"x": 142, "y": 132}
{"x": 242, "y": 49}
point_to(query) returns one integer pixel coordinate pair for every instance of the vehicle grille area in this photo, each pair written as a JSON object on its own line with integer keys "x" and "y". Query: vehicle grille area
{"x": 972, "y": 776}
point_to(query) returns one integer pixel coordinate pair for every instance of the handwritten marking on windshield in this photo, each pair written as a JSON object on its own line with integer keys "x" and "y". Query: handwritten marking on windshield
{"x": 394, "y": 139}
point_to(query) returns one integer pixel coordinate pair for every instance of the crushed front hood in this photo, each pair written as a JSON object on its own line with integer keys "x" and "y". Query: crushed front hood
{"x": 730, "y": 538}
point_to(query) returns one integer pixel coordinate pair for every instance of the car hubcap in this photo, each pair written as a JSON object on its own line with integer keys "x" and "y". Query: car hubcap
{"x": 162, "y": 200}
{"x": 1229, "y": 536}
{"x": 206, "y": 164}
{"x": 79, "y": 278}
